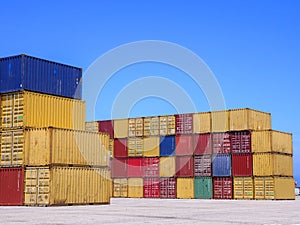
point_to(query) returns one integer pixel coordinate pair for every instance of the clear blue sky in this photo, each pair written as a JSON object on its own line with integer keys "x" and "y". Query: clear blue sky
{"x": 252, "y": 47}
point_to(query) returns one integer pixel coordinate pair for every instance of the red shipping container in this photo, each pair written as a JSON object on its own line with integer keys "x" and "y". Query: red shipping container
{"x": 120, "y": 148}
{"x": 106, "y": 126}
{"x": 202, "y": 165}
{"x": 168, "y": 187}
{"x": 11, "y": 186}
{"x": 151, "y": 188}
{"x": 184, "y": 124}
{"x": 184, "y": 166}
{"x": 134, "y": 167}
{"x": 150, "y": 167}
{"x": 240, "y": 141}
{"x": 242, "y": 164}
{"x": 221, "y": 143}
{"x": 119, "y": 168}
{"x": 184, "y": 145}
{"x": 222, "y": 187}
{"x": 202, "y": 143}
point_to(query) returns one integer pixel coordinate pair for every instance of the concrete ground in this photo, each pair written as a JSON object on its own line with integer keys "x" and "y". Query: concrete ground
{"x": 159, "y": 211}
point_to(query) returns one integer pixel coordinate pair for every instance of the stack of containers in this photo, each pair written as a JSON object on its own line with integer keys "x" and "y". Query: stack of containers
{"x": 46, "y": 156}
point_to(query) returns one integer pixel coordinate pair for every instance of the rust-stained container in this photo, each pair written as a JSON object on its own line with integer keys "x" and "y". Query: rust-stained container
{"x": 222, "y": 187}
{"x": 11, "y": 186}
{"x": 135, "y": 147}
{"x": 151, "y": 126}
{"x": 135, "y": 127}
{"x": 91, "y": 126}
{"x": 120, "y": 148}
{"x": 168, "y": 187}
{"x": 135, "y": 188}
{"x": 184, "y": 166}
{"x": 106, "y": 126}
{"x": 29, "y": 109}
{"x": 184, "y": 124}
{"x": 243, "y": 188}
{"x": 120, "y": 127}
{"x": 185, "y": 187}
{"x": 120, "y": 188}
{"x": 202, "y": 144}
{"x": 202, "y": 165}
{"x": 119, "y": 168}
{"x": 184, "y": 145}
{"x": 240, "y": 141}
{"x": 49, "y": 186}
{"x": 150, "y": 167}
{"x": 221, "y": 143}
{"x": 272, "y": 164}
{"x": 134, "y": 167}
{"x": 151, "y": 188}
{"x": 220, "y": 121}
{"x": 167, "y": 125}
{"x": 151, "y": 146}
{"x": 167, "y": 167}
{"x": 271, "y": 141}
{"x": 241, "y": 165}
{"x": 249, "y": 119}
{"x": 201, "y": 123}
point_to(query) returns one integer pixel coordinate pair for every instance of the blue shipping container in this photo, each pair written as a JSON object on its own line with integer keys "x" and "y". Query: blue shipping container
{"x": 221, "y": 165}
{"x": 167, "y": 146}
{"x": 24, "y": 72}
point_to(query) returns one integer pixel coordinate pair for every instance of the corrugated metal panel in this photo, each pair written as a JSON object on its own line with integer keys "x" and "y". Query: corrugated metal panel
{"x": 167, "y": 167}
{"x": 221, "y": 165}
{"x": 284, "y": 188}
{"x": 203, "y": 188}
{"x": 134, "y": 167}
{"x": 184, "y": 166}
{"x": 202, "y": 166}
{"x": 106, "y": 126}
{"x": 221, "y": 143}
{"x": 11, "y": 186}
{"x": 240, "y": 142}
{"x": 202, "y": 144}
{"x": 201, "y": 123}
{"x": 185, "y": 187}
{"x": 151, "y": 146}
{"x": 243, "y": 188}
{"x": 219, "y": 121}
{"x": 111, "y": 147}
{"x": 120, "y": 128}
{"x": 91, "y": 126}
{"x": 184, "y": 124}
{"x": 167, "y": 146}
{"x": 184, "y": 145}
{"x": 168, "y": 187}
{"x": 135, "y": 147}
{"x": 151, "y": 167}
{"x": 167, "y": 125}
{"x": 135, "y": 188}
{"x": 242, "y": 165}
{"x": 29, "y": 109}
{"x": 151, "y": 188}
{"x": 222, "y": 187}
{"x": 120, "y": 148}
{"x": 119, "y": 168}
{"x": 24, "y": 72}
{"x": 135, "y": 127}
{"x": 120, "y": 188}
{"x": 151, "y": 126}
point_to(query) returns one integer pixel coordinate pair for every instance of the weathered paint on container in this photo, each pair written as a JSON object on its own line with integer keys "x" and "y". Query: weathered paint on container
{"x": 167, "y": 167}
{"x": 135, "y": 188}
{"x": 135, "y": 147}
{"x": 219, "y": 121}
{"x": 249, "y": 119}
{"x": 222, "y": 187}
{"x": 168, "y": 187}
{"x": 151, "y": 146}
{"x": 241, "y": 165}
{"x": 201, "y": 122}
{"x": 202, "y": 144}
{"x": 150, "y": 167}
{"x": 135, "y": 127}
{"x": 271, "y": 141}
{"x": 272, "y": 164}
{"x": 184, "y": 166}
{"x": 119, "y": 168}
{"x": 184, "y": 124}
{"x": 203, "y": 188}
{"x": 120, "y": 188}
{"x": 240, "y": 141}
{"x": 24, "y": 72}
{"x": 167, "y": 125}
{"x": 151, "y": 188}
{"x": 29, "y": 109}
{"x": 184, "y": 145}
{"x": 106, "y": 126}
{"x": 243, "y": 188}
{"x": 221, "y": 143}
{"x": 120, "y": 128}
{"x": 202, "y": 165}
{"x": 167, "y": 146}
{"x": 47, "y": 186}
{"x": 91, "y": 126}
{"x": 185, "y": 187}
{"x": 134, "y": 167}
{"x": 151, "y": 126}
{"x": 11, "y": 186}
{"x": 221, "y": 165}
{"x": 120, "y": 148}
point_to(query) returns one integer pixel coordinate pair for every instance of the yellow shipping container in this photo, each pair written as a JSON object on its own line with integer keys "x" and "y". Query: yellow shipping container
{"x": 272, "y": 164}
{"x": 48, "y": 186}
{"x": 185, "y": 187}
{"x": 135, "y": 147}
{"x": 243, "y": 188}
{"x": 111, "y": 147}
{"x": 274, "y": 188}
{"x": 45, "y": 146}
{"x": 135, "y": 188}
{"x": 167, "y": 125}
{"x": 219, "y": 121}
{"x": 151, "y": 146}
{"x": 120, "y": 189}
{"x": 135, "y": 127}
{"x": 121, "y": 128}
{"x": 167, "y": 167}
{"x": 151, "y": 126}
{"x": 29, "y": 109}
{"x": 249, "y": 119}
{"x": 91, "y": 126}
{"x": 271, "y": 141}
{"x": 202, "y": 123}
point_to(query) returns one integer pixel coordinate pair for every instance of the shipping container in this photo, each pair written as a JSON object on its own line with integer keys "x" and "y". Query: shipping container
{"x": 106, "y": 126}
{"x": 134, "y": 167}
{"x": 202, "y": 144}
{"x": 119, "y": 168}
{"x": 184, "y": 124}
{"x": 272, "y": 164}
{"x": 24, "y": 72}
{"x": 168, "y": 187}
{"x": 120, "y": 127}
{"x": 221, "y": 143}
{"x": 243, "y": 188}
{"x": 222, "y": 187}
{"x": 29, "y": 109}
{"x": 111, "y": 147}
{"x": 150, "y": 167}
{"x": 151, "y": 188}
{"x": 185, "y": 187}
{"x": 203, "y": 188}
{"x": 135, "y": 188}
{"x": 184, "y": 145}
{"x": 47, "y": 186}
{"x": 201, "y": 123}
{"x": 241, "y": 165}
{"x": 151, "y": 146}
{"x": 135, "y": 147}
{"x": 184, "y": 166}
{"x": 120, "y": 188}
{"x": 240, "y": 141}
{"x": 167, "y": 125}
{"x": 219, "y": 121}
{"x": 120, "y": 148}
{"x": 221, "y": 165}
{"x": 11, "y": 186}
{"x": 151, "y": 126}
{"x": 202, "y": 165}
{"x": 135, "y": 127}
{"x": 167, "y": 167}
{"x": 271, "y": 141}
{"x": 91, "y": 126}
{"x": 167, "y": 145}
{"x": 249, "y": 119}
{"x": 277, "y": 188}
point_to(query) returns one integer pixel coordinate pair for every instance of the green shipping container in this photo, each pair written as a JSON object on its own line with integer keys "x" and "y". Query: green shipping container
{"x": 203, "y": 187}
